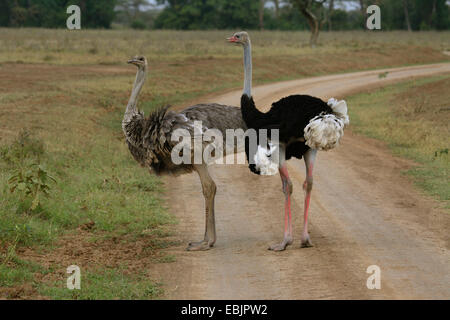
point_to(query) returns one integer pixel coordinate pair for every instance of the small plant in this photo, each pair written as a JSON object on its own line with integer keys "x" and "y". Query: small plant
{"x": 24, "y": 147}
{"x": 93, "y": 50}
{"x": 22, "y": 233}
{"x": 31, "y": 182}
{"x": 439, "y": 153}
{"x": 11, "y": 251}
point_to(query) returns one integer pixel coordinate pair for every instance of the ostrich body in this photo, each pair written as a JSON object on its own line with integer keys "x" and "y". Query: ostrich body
{"x": 306, "y": 124}
{"x": 149, "y": 141}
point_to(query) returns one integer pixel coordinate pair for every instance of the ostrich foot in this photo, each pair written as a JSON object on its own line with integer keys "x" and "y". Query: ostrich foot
{"x": 306, "y": 241}
{"x": 199, "y": 246}
{"x": 281, "y": 246}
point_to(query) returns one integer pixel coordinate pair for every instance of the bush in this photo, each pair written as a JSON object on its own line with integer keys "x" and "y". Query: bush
{"x": 29, "y": 178}
{"x": 138, "y": 25}
{"x": 31, "y": 182}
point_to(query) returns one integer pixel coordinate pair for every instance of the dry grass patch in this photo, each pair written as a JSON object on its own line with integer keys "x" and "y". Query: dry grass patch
{"x": 108, "y": 47}
{"x": 412, "y": 117}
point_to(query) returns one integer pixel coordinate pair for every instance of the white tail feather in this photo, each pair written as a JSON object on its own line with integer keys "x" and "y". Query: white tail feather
{"x": 265, "y": 161}
{"x": 325, "y": 130}
{"x": 340, "y": 109}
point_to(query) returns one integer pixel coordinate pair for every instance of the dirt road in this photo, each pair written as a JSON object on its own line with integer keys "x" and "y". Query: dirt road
{"x": 363, "y": 212}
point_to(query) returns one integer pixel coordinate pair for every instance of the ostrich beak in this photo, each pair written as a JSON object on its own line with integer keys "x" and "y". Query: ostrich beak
{"x": 232, "y": 39}
{"x": 131, "y": 61}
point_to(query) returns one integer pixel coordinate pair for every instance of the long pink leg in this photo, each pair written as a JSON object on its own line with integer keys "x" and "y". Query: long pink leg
{"x": 287, "y": 190}
{"x": 309, "y": 157}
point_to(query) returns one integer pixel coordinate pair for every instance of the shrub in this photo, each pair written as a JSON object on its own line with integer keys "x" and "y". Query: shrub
{"x": 31, "y": 182}
{"x": 138, "y": 24}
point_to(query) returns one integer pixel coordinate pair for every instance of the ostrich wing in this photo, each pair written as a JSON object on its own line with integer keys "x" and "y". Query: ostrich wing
{"x": 156, "y": 144}
{"x": 216, "y": 116}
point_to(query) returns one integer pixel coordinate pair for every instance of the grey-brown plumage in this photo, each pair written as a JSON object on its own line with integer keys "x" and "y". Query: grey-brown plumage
{"x": 150, "y": 141}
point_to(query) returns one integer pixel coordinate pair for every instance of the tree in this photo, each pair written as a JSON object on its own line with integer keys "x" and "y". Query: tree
{"x": 405, "y": 9}
{"x": 52, "y": 13}
{"x": 5, "y": 13}
{"x": 277, "y": 8}
{"x": 343, "y": 20}
{"x": 128, "y": 12}
{"x": 95, "y": 13}
{"x": 209, "y": 14}
{"x": 230, "y": 14}
{"x": 307, "y": 8}
{"x": 261, "y": 14}
{"x": 241, "y": 14}
{"x": 189, "y": 15}
{"x": 136, "y": 5}
{"x": 329, "y": 14}
{"x": 414, "y": 14}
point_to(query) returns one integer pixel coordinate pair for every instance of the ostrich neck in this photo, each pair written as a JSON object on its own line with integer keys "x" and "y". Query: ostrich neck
{"x": 248, "y": 69}
{"x": 132, "y": 110}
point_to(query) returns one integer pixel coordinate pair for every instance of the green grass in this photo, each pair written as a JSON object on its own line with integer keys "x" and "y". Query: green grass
{"x": 106, "y": 284}
{"x": 16, "y": 271}
{"x": 14, "y": 276}
{"x": 412, "y": 118}
{"x": 121, "y": 201}
{"x": 169, "y": 258}
{"x": 97, "y": 182}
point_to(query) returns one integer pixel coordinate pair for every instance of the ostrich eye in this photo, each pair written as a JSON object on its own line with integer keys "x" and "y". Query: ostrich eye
{"x": 238, "y": 36}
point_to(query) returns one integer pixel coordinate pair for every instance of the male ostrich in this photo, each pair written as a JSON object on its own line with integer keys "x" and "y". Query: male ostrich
{"x": 306, "y": 124}
{"x": 149, "y": 141}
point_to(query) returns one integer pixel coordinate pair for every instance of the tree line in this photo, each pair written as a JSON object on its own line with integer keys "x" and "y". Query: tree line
{"x": 313, "y": 15}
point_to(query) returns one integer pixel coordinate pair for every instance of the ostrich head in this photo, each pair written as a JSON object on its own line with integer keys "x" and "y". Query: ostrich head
{"x": 139, "y": 61}
{"x": 241, "y": 38}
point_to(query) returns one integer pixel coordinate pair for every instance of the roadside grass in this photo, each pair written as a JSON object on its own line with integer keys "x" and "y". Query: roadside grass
{"x": 106, "y": 284}
{"x": 14, "y": 270}
{"x": 68, "y": 91}
{"x": 413, "y": 118}
{"x": 98, "y": 187}
{"x": 95, "y": 190}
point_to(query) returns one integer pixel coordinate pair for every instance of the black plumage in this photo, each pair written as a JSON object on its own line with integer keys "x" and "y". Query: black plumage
{"x": 290, "y": 115}
{"x": 305, "y": 125}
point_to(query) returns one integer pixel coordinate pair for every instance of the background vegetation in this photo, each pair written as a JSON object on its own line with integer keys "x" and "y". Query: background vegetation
{"x": 412, "y": 118}
{"x": 228, "y": 14}
{"x": 52, "y": 13}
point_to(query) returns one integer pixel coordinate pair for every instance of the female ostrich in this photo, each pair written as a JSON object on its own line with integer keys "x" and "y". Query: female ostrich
{"x": 306, "y": 124}
{"x": 150, "y": 141}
